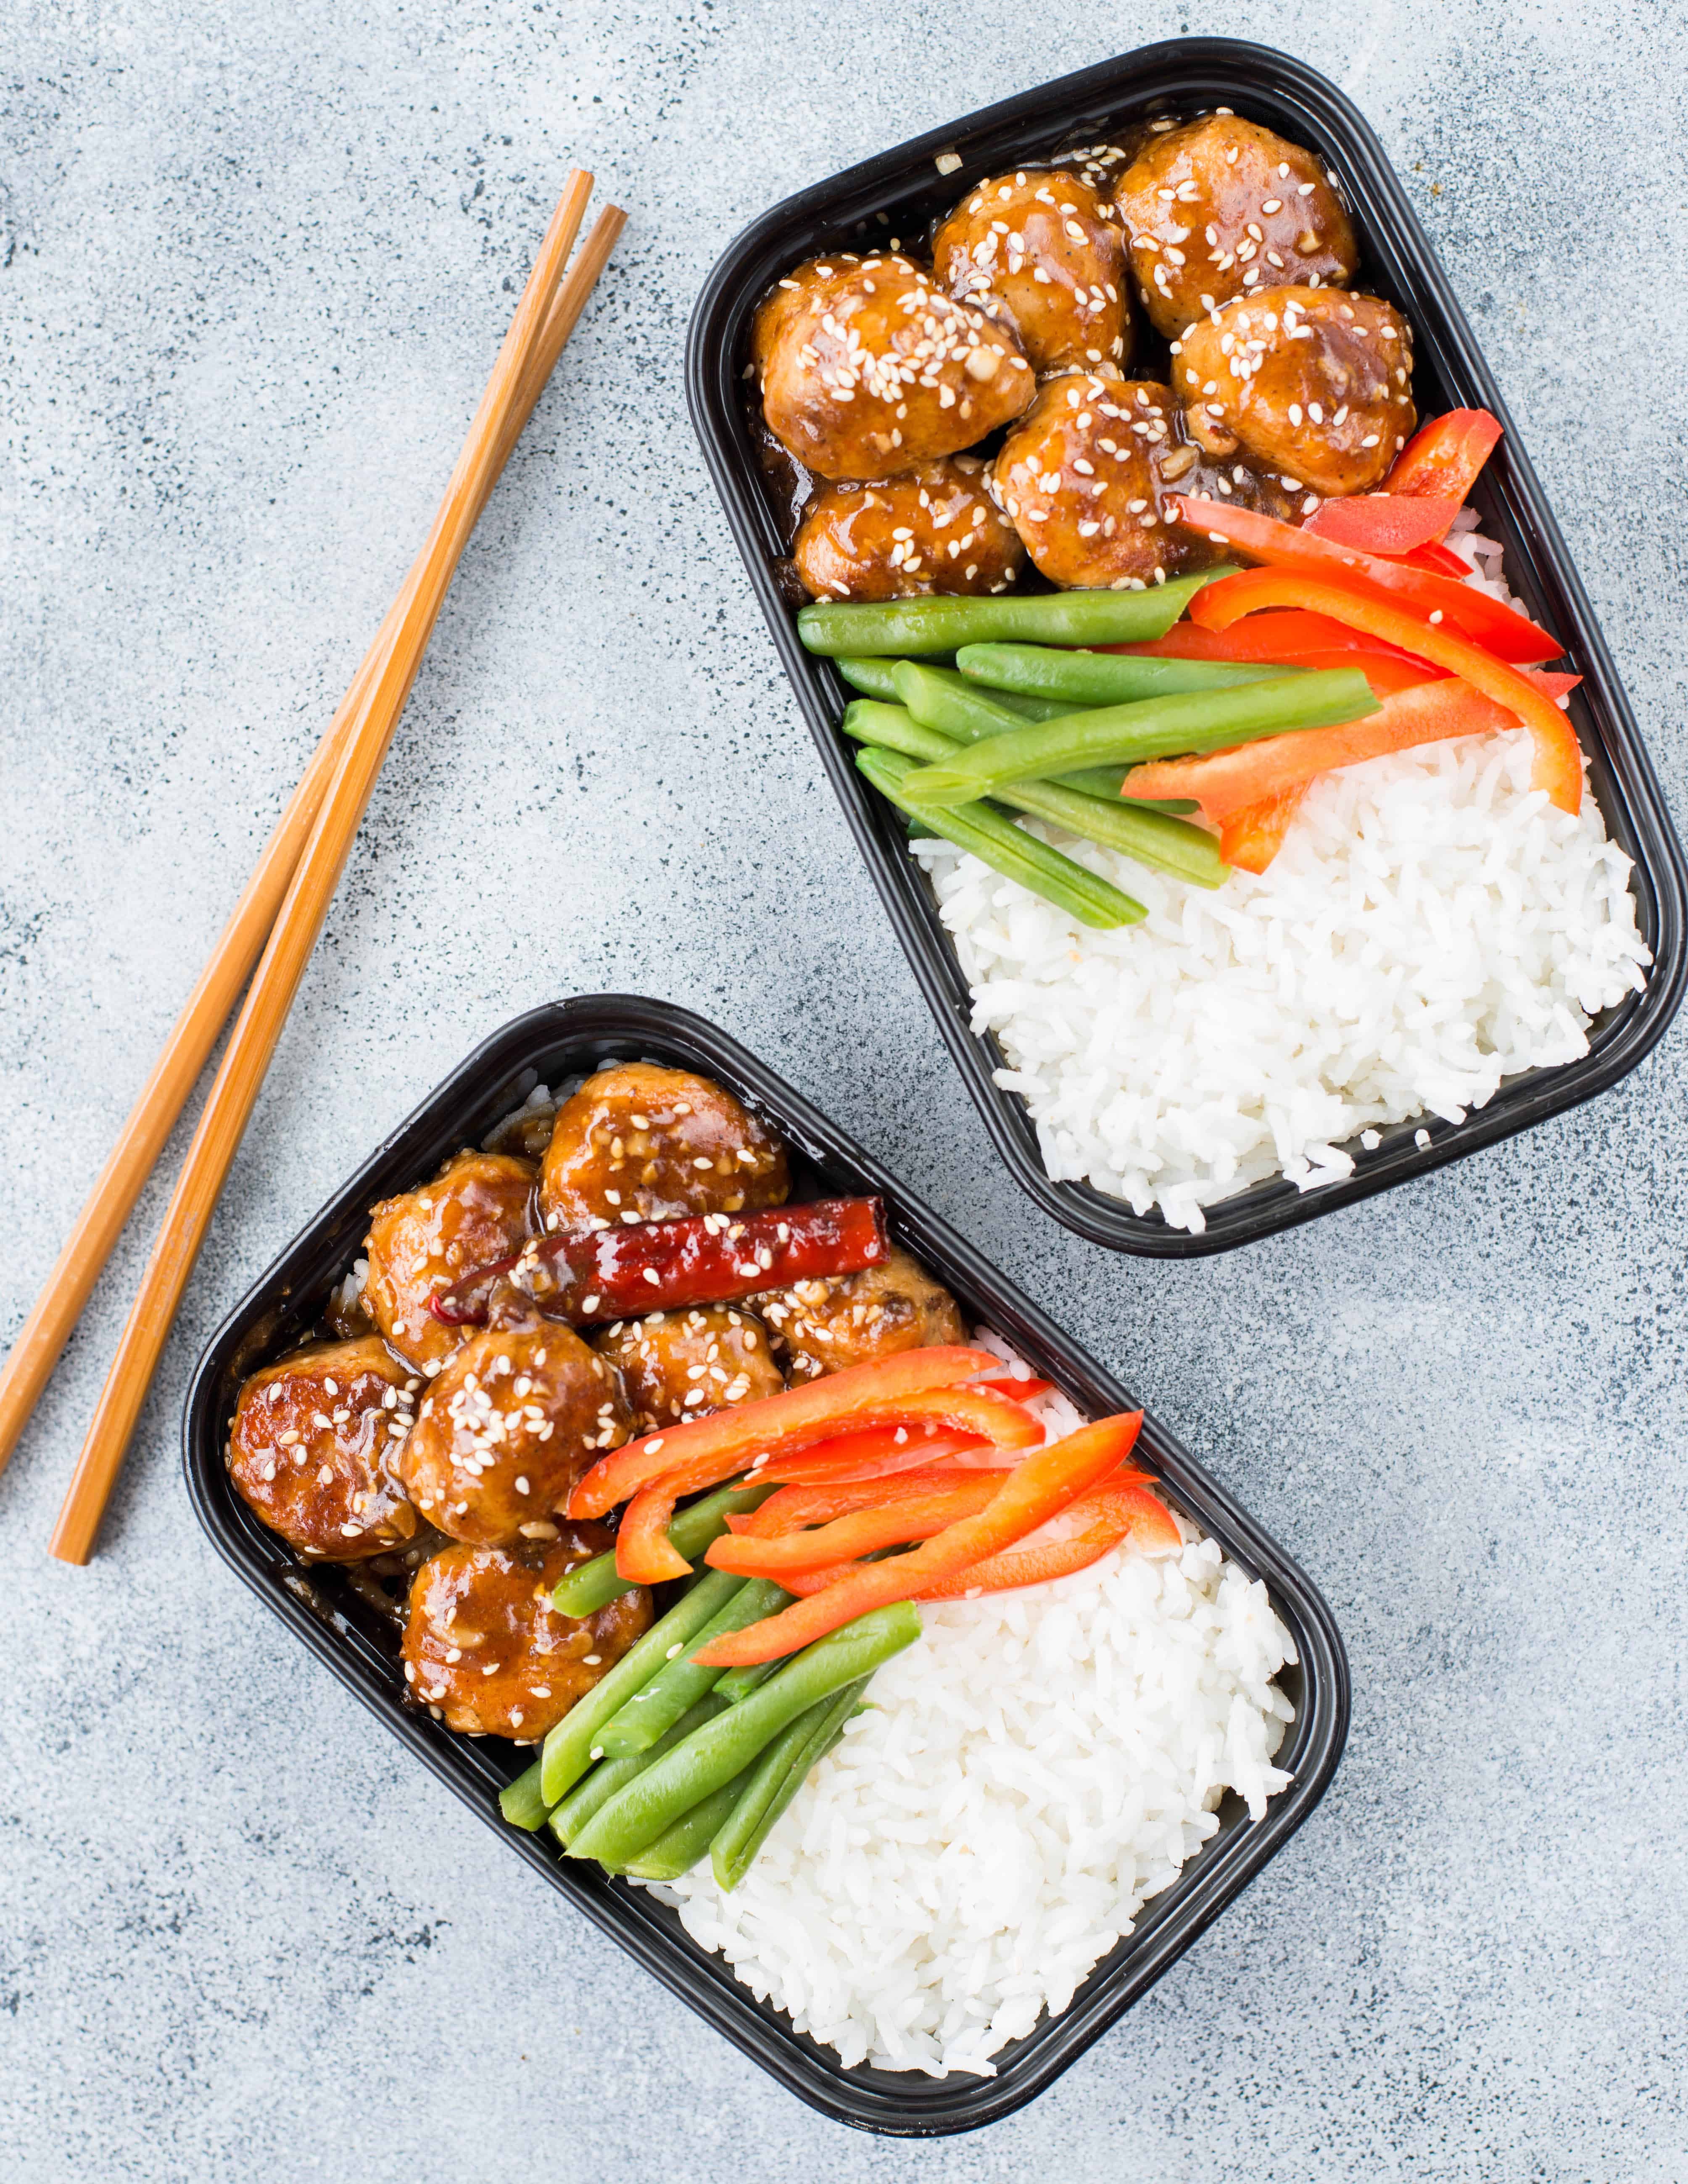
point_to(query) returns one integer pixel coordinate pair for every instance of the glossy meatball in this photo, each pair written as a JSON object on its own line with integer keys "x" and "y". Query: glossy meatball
{"x": 1222, "y": 207}
{"x": 639, "y": 1143}
{"x": 486, "y": 1650}
{"x": 313, "y": 1444}
{"x": 677, "y": 1365}
{"x": 478, "y": 1208}
{"x": 821, "y": 1326}
{"x": 1083, "y": 479}
{"x": 934, "y": 530}
{"x": 515, "y": 1418}
{"x": 1314, "y": 384}
{"x": 871, "y": 369}
{"x": 1041, "y": 252}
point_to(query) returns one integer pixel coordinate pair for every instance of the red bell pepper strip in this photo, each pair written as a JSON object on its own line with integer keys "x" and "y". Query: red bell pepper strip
{"x": 1032, "y": 1493}
{"x": 877, "y": 1453}
{"x": 664, "y": 1266}
{"x": 643, "y": 1554}
{"x": 1440, "y": 561}
{"x": 1484, "y": 621}
{"x": 1226, "y": 785}
{"x": 1283, "y": 638}
{"x": 729, "y": 1441}
{"x": 1442, "y": 461}
{"x": 1383, "y": 672}
{"x": 1383, "y": 522}
{"x": 1090, "y": 1528}
{"x": 1558, "y": 767}
{"x": 793, "y": 1507}
{"x": 1018, "y": 1391}
{"x": 1251, "y": 836}
{"x": 890, "y": 1524}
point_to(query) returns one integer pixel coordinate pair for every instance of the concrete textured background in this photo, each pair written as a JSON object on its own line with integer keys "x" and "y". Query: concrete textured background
{"x": 255, "y": 260}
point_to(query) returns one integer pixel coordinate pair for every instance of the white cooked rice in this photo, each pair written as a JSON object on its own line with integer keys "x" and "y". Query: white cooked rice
{"x": 1032, "y": 1770}
{"x": 1431, "y": 925}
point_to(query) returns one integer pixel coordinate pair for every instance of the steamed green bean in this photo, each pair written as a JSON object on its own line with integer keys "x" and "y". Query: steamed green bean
{"x": 943, "y": 624}
{"x": 1135, "y": 830}
{"x": 654, "y": 1709}
{"x": 595, "y": 1790}
{"x": 873, "y": 677}
{"x": 573, "y": 1745}
{"x": 1005, "y": 847}
{"x": 1157, "y": 728}
{"x": 770, "y": 1784}
{"x": 1096, "y": 678}
{"x": 719, "y": 1752}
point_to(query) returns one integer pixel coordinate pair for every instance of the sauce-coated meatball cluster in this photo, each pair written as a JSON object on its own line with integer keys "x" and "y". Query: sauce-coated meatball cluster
{"x": 1277, "y": 386}
{"x": 416, "y": 1449}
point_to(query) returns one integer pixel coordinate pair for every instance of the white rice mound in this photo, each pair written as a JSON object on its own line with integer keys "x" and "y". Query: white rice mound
{"x": 1028, "y": 1774}
{"x": 1431, "y": 925}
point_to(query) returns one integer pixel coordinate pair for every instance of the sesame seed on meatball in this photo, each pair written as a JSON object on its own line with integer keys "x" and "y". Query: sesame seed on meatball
{"x": 640, "y": 1143}
{"x": 485, "y": 1648}
{"x": 514, "y": 1420}
{"x": 1041, "y": 252}
{"x": 479, "y": 1207}
{"x": 1221, "y": 207}
{"x": 313, "y": 1447}
{"x": 933, "y": 530}
{"x": 868, "y": 368}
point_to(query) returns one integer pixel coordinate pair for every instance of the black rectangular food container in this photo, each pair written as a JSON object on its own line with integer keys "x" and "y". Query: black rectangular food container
{"x": 898, "y": 193}
{"x": 565, "y": 1040}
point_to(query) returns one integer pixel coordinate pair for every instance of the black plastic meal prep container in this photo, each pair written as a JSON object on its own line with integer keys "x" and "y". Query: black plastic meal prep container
{"x": 898, "y": 193}
{"x": 552, "y": 1045}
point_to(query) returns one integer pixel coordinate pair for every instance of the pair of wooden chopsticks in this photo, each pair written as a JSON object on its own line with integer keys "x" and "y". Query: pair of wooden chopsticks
{"x": 281, "y": 913}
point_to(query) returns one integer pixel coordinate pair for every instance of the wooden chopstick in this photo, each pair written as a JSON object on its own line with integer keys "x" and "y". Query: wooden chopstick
{"x": 362, "y": 749}
{"x": 197, "y": 1029}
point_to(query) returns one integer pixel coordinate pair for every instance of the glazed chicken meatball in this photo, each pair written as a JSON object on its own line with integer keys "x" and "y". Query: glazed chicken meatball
{"x": 515, "y": 1418}
{"x": 678, "y": 1365}
{"x": 1041, "y": 252}
{"x": 1222, "y": 207}
{"x": 869, "y": 369}
{"x": 934, "y": 529}
{"x": 312, "y": 1446}
{"x": 640, "y": 1143}
{"x": 478, "y": 1208}
{"x": 820, "y": 1327}
{"x": 486, "y": 1650}
{"x": 1084, "y": 477}
{"x": 1312, "y": 382}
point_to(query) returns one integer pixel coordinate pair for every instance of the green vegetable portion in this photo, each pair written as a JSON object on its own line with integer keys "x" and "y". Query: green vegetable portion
{"x": 1136, "y": 830}
{"x": 521, "y": 1803}
{"x": 876, "y": 678}
{"x": 714, "y": 1755}
{"x": 904, "y": 627}
{"x": 738, "y": 1683}
{"x": 655, "y": 1707}
{"x": 609, "y": 1775}
{"x": 999, "y": 843}
{"x": 1157, "y": 728}
{"x": 1097, "y": 678}
{"x": 573, "y": 1744}
{"x": 591, "y": 1585}
{"x": 680, "y": 1845}
{"x": 770, "y": 1784}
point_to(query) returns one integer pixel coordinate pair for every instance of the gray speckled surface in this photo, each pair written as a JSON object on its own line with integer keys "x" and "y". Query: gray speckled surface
{"x": 254, "y": 261}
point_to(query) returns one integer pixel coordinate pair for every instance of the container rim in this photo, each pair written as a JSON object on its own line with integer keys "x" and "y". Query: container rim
{"x": 1189, "y": 72}
{"x": 467, "y": 1102}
